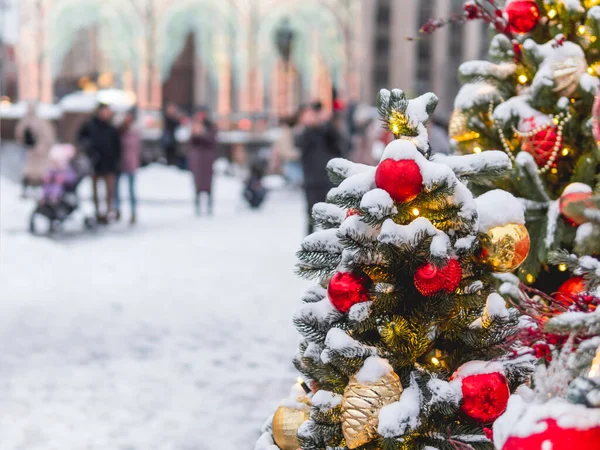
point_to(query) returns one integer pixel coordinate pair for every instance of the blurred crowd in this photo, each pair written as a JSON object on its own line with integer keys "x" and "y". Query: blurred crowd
{"x": 109, "y": 149}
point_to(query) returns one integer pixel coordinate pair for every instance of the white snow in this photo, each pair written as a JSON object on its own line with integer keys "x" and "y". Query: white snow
{"x": 495, "y": 307}
{"x": 356, "y": 185}
{"x": 589, "y": 83}
{"x": 373, "y": 369}
{"x": 474, "y": 94}
{"x": 469, "y": 164}
{"x": 497, "y": 208}
{"x": 323, "y": 240}
{"x": 401, "y": 416}
{"x": 474, "y": 368}
{"x": 398, "y": 235}
{"x": 337, "y": 339}
{"x": 577, "y": 187}
{"x": 329, "y": 211}
{"x": 173, "y": 334}
{"x": 443, "y": 392}
{"x": 322, "y": 311}
{"x": 325, "y": 400}
{"x": 347, "y": 168}
{"x": 296, "y": 394}
{"x": 487, "y": 69}
{"x": 377, "y": 202}
{"x": 551, "y": 222}
{"x": 360, "y": 311}
{"x": 584, "y": 231}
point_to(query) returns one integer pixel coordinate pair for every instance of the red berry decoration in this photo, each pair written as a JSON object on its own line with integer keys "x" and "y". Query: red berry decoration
{"x": 352, "y": 212}
{"x": 569, "y": 291}
{"x": 556, "y": 438}
{"x": 522, "y": 15}
{"x": 429, "y": 280}
{"x": 541, "y": 145}
{"x": 485, "y": 396}
{"x": 401, "y": 179}
{"x": 346, "y": 289}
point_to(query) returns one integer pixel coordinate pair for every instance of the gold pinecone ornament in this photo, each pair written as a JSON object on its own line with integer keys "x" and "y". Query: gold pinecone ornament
{"x": 361, "y": 405}
{"x": 286, "y": 422}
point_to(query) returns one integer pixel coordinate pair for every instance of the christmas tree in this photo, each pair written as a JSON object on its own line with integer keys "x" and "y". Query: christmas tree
{"x": 535, "y": 100}
{"x": 399, "y": 332}
{"x": 561, "y": 408}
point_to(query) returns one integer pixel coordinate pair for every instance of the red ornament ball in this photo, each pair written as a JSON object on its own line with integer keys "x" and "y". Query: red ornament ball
{"x": 540, "y": 145}
{"x": 485, "y": 396}
{"x": 566, "y": 200}
{"x": 568, "y": 291}
{"x": 522, "y": 15}
{"x": 346, "y": 289}
{"x": 401, "y": 179}
{"x": 556, "y": 438}
{"x": 430, "y": 280}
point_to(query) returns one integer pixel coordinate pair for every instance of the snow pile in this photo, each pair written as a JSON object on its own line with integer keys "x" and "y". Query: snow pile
{"x": 475, "y": 162}
{"x": 360, "y": 312}
{"x": 498, "y": 208}
{"x": 443, "y": 392}
{"x": 293, "y": 400}
{"x": 481, "y": 92}
{"x": 323, "y": 240}
{"x": 487, "y": 69}
{"x": 401, "y": 235}
{"x": 374, "y": 368}
{"x": 577, "y": 187}
{"x": 399, "y": 417}
{"x": 325, "y": 400}
{"x": 378, "y": 203}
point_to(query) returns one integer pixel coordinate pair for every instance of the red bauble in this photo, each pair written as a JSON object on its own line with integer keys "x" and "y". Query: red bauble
{"x": 568, "y": 291}
{"x": 574, "y": 197}
{"x": 522, "y": 15}
{"x": 540, "y": 145}
{"x": 556, "y": 438}
{"x": 485, "y": 396}
{"x": 430, "y": 280}
{"x": 346, "y": 289}
{"x": 352, "y": 212}
{"x": 401, "y": 179}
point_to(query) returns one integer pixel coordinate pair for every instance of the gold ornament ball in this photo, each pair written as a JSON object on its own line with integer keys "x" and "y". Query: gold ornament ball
{"x": 566, "y": 75}
{"x": 286, "y": 422}
{"x": 361, "y": 405}
{"x": 504, "y": 248}
{"x": 458, "y": 130}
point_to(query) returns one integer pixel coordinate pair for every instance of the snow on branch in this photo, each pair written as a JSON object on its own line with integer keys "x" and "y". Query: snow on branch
{"x": 487, "y": 164}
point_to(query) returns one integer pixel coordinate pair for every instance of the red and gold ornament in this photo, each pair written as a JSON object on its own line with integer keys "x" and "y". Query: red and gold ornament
{"x": 522, "y": 15}
{"x": 568, "y": 292}
{"x": 401, "y": 179}
{"x": 485, "y": 396}
{"x": 429, "y": 280}
{"x": 541, "y": 145}
{"x": 347, "y": 289}
{"x": 556, "y": 437}
{"x": 568, "y": 208}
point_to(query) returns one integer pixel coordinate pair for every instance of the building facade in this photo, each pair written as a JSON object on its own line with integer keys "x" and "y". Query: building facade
{"x": 223, "y": 53}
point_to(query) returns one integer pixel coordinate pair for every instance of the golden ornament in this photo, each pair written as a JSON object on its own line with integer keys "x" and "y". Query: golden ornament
{"x": 458, "y": 130}
{"x": 361, "y": 405}
{"x": 286, "y": 422}
{"x": 566, "y": 75}
{"x": 591, "y": 3}
{"x": 504, "y": 248}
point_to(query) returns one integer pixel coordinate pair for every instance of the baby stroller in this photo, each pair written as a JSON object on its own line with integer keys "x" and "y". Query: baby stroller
{"x": 254, "y": 190}
{"x": 59, "y": 199}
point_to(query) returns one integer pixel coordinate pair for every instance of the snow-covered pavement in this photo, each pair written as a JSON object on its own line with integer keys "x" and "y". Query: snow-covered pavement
{"x": 175, "y": 334}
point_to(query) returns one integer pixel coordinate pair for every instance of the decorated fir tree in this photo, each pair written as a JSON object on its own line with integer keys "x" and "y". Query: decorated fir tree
{"x": 399, "y": 333}
{"x": 535, "y": 100}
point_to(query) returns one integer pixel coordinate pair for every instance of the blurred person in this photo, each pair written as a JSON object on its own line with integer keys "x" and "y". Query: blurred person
{"x": 366, "y": 129}
{"x": 101, "y": 142}
{"x": 37, "y": 135}
{"x": 286, "y": 157}
{"x": 171, "y": 121}
{"x": 201, "y": 155}
{"x": 131, "y": 147}
{"x": 316, "y": 144}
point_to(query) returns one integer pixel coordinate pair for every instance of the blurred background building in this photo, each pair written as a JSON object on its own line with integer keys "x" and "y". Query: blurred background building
{"x": 235, "y": 56}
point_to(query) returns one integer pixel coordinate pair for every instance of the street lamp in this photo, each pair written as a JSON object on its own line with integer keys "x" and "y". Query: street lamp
{"x": 284, "y": 39}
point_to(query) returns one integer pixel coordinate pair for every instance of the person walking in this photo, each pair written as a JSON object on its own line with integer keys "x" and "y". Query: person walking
{"x": 201, "y": 154}
{"x": 101, "y": 142}
{"x": 317, "y": 146}
{"x": 171, "y": 121}
{"x": 37, "y": 135}
{"x": 131, "y": 147}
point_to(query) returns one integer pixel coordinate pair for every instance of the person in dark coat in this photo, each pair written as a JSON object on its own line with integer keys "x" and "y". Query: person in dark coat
{"x": 318, "y": 143}
{"x": 171, "y": 120}
{"x": 101, "y": 142}
{"x": 201, "y": 154}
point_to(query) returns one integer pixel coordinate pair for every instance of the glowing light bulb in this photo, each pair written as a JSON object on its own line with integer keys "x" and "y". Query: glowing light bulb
{"x": 416, "y": 212}
{"x": 552, "y": 13}
{"x": 477, "y": 150}
{"x": 591, "y": 70}
{"x": 529, "y": 278}
{"x": 554, "y": 170}
{"x": 555, "y": 121}
{"x": 395, "y": 128}
{"x": 581, "y": 29}
{"x": 595, "y": 370}
{"x": 562, "y": 267}
{"x": 522, "y": 79}
{"x": 593, "y": 39}
{"x": 565, "y": 151}
{"x": 435, "y": 361}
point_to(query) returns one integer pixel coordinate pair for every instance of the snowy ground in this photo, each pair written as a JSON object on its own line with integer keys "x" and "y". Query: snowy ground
{"x": 173, "y": 335}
